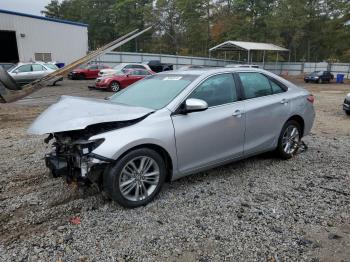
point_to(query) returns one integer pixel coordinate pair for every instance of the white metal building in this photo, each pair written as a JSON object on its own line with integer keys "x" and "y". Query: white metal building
{"x": 25, "y": 38}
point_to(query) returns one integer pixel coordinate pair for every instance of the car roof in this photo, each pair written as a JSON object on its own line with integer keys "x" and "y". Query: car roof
{"x": 211, "y": 70}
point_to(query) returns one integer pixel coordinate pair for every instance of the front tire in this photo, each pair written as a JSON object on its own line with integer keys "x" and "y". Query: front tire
{"x": 289, "y": 139}
{"x": 136, "y": 178}
{"x": 114, "y": 86}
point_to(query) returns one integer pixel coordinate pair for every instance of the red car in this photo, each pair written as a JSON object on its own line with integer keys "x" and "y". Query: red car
{"x": 121, "y": 79}
{"x": 86, "y": 72}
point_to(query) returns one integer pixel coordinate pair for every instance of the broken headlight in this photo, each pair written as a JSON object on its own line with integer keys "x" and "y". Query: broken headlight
{"x": 87, "y": 146}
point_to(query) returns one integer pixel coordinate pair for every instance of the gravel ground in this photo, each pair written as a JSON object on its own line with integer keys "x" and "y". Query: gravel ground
{"x": 259, "y": 209}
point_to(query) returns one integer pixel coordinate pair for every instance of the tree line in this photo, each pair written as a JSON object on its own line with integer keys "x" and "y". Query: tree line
{"x": 313, "y": 30}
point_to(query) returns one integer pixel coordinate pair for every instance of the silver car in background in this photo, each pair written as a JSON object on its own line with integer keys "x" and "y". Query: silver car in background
{"x": 173, "y": 124}
{"x": 24, "y": 73}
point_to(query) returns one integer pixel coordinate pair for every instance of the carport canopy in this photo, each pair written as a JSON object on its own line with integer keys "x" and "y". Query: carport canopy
{"x": 248, "y": 47}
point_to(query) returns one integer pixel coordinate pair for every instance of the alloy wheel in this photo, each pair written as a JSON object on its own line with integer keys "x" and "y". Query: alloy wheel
{"x": 290, "y": 139}
{"x": 115, "y": 87}
{"x": 139, "y": 178}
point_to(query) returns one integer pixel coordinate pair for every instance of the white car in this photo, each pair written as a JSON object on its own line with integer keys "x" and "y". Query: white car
{"x": 24, "y": 73}
{"x": 122, "y": 67}
{"x": 241, "y": 66}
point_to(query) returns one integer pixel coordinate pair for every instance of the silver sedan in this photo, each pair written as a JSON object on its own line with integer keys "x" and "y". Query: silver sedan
{"x": 24, "y": 73}
{"x": 171, "y": 125}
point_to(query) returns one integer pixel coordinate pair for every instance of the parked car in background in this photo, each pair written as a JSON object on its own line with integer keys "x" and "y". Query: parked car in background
{"x": 7, "y": 66}
{"x": 319, "y": 77}
{"x": 86, "y": 71}
{"x": 121, "y": 79}
{"x": 123, "y": 67}
{"x": 173, "y": 124}
{"x": 24, "y": 73}
{"x": 157, "y": 66}
{"x": 191, "y": 67}
{"x": 241, "y": 66}
{"x": 346, "y": 104}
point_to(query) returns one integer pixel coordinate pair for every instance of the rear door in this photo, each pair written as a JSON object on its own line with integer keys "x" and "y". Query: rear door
{"x": 267, "y": 108}
{"x": 38, "y": 71}
{"x": 215, "y": 135}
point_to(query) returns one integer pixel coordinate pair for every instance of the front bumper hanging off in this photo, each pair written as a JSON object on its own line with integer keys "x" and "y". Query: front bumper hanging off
{"x": 84, "y": 171}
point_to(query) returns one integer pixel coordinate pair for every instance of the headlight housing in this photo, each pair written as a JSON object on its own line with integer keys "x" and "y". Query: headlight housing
{"x": 85, "y": 147}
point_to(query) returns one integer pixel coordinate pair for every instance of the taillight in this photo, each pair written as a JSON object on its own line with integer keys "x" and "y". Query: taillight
{"x": 311, "y": 99}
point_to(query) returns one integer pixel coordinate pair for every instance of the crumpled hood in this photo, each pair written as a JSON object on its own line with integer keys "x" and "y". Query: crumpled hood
{"x": 76, "y": 113}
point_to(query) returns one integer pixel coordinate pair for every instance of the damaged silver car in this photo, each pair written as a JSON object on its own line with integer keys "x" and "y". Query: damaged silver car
{"x": 171, "y": 125}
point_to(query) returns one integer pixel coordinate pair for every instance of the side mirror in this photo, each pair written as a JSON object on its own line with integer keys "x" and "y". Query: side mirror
{"x": 195, "y": 105}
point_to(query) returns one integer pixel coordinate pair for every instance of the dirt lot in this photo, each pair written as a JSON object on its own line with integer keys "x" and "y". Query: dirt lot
{"x": 260, "y": 209}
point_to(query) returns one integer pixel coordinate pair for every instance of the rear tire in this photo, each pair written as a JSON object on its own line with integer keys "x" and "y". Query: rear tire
{"x": 289, "y": 139}
{"x": 136, "y": 178}
{"x": 347, "y": 112}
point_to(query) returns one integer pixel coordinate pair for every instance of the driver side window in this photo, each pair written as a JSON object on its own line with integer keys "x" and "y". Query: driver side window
{"x": 216, "y": 90}
{"x": 24, "y": 69}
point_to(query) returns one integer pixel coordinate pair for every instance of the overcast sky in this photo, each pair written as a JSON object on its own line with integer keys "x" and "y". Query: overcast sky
{"x": 24, "y": 6}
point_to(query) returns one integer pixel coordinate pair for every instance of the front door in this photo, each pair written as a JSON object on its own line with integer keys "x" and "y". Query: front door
{"x": 92, "y": 71}
{"x": 215, "y": 135}
{"x": 23, "y": 74}
{"x": 266, "y": 107}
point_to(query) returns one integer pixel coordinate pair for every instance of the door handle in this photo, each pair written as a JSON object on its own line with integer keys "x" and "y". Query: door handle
{"x": 237, "y": 113}
{"x": 284, "y": 101}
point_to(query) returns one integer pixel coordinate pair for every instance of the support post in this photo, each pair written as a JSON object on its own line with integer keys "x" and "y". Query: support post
{"x": 248, "y": 57}
{"x": 276, "y": 62}
{"x": 264, "y": 59}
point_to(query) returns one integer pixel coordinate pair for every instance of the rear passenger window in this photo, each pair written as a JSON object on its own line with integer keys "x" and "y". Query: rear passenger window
{"x": 255, "y": 85}
{"x": 38, "y": 68}
{"x": 217, "y": 90}
{"x": 276, "y": 88}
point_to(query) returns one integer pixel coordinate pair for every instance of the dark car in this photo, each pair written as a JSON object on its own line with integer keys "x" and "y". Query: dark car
{"x": 346, "y": 105}
{"x": 86, "y": 72}
{"x": 158, "y": 67}
{"x": 319, "y": 77}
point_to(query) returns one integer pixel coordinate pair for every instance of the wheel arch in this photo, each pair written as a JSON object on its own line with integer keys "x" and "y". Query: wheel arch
{"x": 300, "y": 121}
{"x": 160, "y": 150}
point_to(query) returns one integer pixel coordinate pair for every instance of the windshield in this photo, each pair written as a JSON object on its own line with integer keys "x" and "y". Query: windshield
{"x": 119, "y": 73}
{"x": 51, "y": 66}
{"x": 119, "y": 67}
{"x": 83, "y": 66}
{"x": 153, "y": 92}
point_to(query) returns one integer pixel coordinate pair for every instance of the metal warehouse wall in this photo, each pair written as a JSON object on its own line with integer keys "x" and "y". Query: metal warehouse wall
{"x": 65, "y": 42}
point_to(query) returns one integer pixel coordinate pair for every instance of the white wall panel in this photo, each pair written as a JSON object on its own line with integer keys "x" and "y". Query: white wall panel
{"x": 66, "y": 42}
